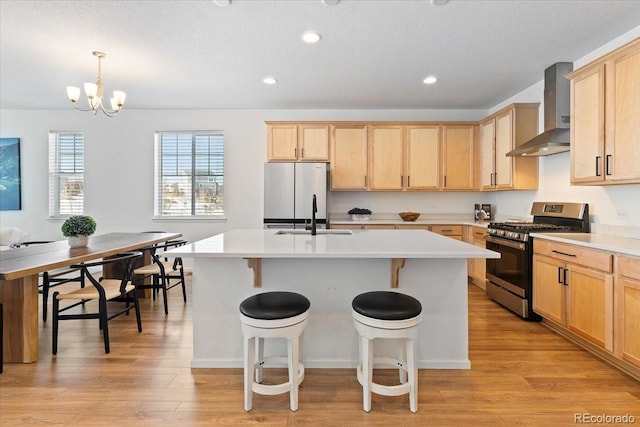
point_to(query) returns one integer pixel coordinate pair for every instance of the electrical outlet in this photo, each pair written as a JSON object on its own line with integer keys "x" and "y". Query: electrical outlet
{"x": 622, "y": 214}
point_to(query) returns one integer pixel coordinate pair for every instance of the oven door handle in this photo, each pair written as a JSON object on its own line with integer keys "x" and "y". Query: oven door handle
{"x": 505, "y": 242}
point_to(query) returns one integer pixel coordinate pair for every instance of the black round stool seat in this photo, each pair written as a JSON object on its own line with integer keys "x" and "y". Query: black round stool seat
{"x": 274, "y": 305}
{"x": 386, "y": 305}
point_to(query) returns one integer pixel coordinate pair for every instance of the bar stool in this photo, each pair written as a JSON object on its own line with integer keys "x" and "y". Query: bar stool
{"x": 384, "y": 314}
{"x": 273, "y": 315}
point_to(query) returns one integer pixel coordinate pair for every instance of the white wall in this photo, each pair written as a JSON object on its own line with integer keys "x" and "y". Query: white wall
{"x": 119, "y": 162}
{"x": 609, "y": 205}
{"x": 119, "y": 167}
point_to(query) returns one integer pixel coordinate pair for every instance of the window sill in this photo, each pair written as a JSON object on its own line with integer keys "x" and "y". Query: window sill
{"x": 216, "y": 218}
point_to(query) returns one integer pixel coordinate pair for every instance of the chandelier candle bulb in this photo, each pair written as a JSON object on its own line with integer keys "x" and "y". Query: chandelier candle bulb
{"x": 94, "y": 92}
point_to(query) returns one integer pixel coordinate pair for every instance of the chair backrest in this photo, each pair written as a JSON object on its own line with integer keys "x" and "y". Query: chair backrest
{"x": 126, "y": 260}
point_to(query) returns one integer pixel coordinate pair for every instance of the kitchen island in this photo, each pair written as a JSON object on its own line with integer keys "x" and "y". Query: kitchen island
{"x": 330, "y": 269}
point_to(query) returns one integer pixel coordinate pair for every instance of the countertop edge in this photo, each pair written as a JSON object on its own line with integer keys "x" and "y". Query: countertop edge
{"x": 620, "y": 245}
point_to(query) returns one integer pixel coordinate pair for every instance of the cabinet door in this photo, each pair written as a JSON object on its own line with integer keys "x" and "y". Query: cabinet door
{"x": 622, "y": 141}
{"x": 487, "y": 153}
{"x": 349, "y": 158}
{"x": 379, "y": 227}
{"x": 587, "y": 126}
{"x": 548, "y": 289}
{"x": 503, "y": 177}
{"x": 457, "y": 157}
{"x": 422, "y": 158}
{"x": 627, "y": 310}
{"x": 283, "y": 142}
{"x": 313, "y": 142}
{"x": 590, "y": 305}
{"x": 386, "y": 157}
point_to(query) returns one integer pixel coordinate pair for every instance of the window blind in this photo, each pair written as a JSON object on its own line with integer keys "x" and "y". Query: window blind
{"x": 189, "y": 174}
{"x": 66, "y": 173}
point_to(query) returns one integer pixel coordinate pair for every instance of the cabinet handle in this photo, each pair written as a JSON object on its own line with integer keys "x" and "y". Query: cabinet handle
{"x": 598, "y": 165}
{"x": 563, "y": 253}
{"x": 302, "y": 153}
{"x": 560, "y": 275}
{"x": 401, "y": 181}
{"x": 408, "y": 180}
{"x": 607, "y": 169}
{"x": 365, "y": 181}
{"x": 445, "y": 180}
{"x": 564, "y": 277}
{"x": 495, "y": 178}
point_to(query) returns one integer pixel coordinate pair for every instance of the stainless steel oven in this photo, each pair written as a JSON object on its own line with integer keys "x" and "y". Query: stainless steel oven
{"x": 510, "y": 278}
{"x": 509, "y": 275}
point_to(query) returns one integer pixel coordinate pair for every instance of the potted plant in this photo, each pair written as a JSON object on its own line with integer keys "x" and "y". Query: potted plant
{"x": 78, "y": 228}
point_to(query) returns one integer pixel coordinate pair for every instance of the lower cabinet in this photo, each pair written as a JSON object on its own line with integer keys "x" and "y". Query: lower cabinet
{"x": 453, "y": 231}
{"x": 573, "y": 287}
{"x": 476, "y": 267}
{"x": 627, "y": 309}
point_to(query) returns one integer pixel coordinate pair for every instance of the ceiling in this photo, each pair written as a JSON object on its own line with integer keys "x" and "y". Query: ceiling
{"x": 373, "y": 54}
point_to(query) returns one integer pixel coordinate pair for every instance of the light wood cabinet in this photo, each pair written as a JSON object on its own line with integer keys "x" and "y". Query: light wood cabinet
{"x": 477, "y": 267}
{"x": 458, "y": 144}
{"x": 453, "y": 231}
{"x": 500, "y": 133}
{"x": 379, "y": 227}
{"x": 605, "y": 118}
{"x": 346, "y": 227}
{"x": 573, "y": 286}
{"x": 386, "y": 157}
{"x": 349, "y": 157}
{"x": 298, "y": 142}
{"x": 627, "y": 309}
{"x": 422, "y": 158}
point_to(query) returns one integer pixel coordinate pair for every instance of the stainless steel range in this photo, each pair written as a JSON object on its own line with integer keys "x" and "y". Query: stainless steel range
{"x": 510, "y": 278}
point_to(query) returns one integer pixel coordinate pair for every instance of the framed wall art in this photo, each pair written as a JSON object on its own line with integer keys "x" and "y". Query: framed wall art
{"x": 10, "y": 191}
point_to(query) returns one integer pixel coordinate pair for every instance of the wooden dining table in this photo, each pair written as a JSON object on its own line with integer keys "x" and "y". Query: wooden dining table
{"x": 19, "y": 270}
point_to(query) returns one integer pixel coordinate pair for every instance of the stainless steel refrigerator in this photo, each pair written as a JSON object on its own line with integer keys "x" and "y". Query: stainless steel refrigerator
{"x": 288, "y": 194}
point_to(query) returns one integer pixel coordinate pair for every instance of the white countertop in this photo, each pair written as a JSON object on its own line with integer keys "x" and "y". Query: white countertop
{"x": 260, "y": 243}
{"x": 623, "y": 245}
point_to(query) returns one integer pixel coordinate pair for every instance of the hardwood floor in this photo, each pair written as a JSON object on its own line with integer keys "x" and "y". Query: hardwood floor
{"x": 522, "y": 374}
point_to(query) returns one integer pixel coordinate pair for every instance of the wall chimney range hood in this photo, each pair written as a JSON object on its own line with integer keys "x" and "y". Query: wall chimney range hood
{"x": 555, "y": 138}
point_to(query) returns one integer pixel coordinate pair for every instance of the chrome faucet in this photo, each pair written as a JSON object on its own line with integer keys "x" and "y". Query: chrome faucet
{"x": 314, "y": 209}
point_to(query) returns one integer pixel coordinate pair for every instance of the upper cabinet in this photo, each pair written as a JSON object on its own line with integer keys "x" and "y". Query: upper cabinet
{"x": 605, "y": 119}
{"x": 499, "y": 134}
{"x": 386, "y": 157}
{"x": 422, "y": 157}
{"x": 458, "y": 142}
{"x": 349, "y": 159}
{"x": 298, "y": 142}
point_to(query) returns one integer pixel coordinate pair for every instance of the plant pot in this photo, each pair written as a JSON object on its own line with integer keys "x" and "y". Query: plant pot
{"x": 78, "y": 241}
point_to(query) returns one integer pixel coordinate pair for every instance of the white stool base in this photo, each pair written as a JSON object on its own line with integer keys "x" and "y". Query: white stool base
{"x": 407, "y": 365}
{"x": 254, "y": 360}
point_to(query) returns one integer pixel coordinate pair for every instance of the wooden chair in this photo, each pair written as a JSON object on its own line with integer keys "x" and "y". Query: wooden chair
{"x": 121, "y": 289}
{"x": 52, "y": 278}
{"x": 165, "y": 273}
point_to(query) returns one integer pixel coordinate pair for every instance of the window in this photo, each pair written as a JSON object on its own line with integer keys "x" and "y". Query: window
{"x": 66, "y": 173}
{"x": 189, "y": 177}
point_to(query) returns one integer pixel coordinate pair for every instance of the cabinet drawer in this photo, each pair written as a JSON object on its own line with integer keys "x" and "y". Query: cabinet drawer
{"x": 586, "y": 257}
{"x": 447, "y": 230}
{"x": 629, "y": 267}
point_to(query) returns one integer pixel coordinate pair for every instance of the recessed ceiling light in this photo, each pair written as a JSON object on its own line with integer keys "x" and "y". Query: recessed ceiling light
{"x": 330, "y": 2}
{"x": 311, "y": 37}
{"x": 269, "y": 80}
{"x": 430, "y": 80}
{"x": 222, "y": 2}
{"x": 439, "y": 2}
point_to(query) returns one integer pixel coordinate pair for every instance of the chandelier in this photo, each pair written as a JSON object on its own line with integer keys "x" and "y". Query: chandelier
{"x": 94, "y": 94}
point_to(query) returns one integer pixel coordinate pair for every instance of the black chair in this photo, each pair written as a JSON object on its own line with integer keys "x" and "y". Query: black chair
{"x": 121, "y": 290}
{"x": 52, "y": 278}
{"x": 164, "y": 272}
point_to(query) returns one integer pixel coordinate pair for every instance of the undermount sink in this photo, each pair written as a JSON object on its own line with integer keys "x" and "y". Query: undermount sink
{"x": 320, "y": 231}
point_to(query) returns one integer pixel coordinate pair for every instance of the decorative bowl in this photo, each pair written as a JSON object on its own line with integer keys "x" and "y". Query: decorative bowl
{"x": 409, "y": 216}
